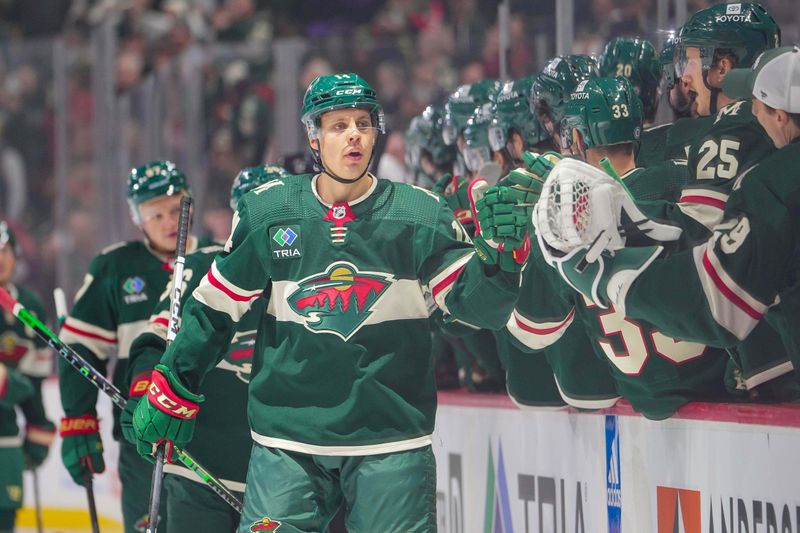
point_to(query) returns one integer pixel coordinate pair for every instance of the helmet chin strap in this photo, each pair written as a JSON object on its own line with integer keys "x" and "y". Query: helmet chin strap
{"x": 712, "y": 106}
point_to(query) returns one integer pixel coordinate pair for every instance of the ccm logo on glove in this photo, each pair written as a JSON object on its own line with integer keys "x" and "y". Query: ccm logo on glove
{"x": 167, "y": 401}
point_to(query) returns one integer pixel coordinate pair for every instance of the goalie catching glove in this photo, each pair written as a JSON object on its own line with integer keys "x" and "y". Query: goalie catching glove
{"x": 501, "y": 228}
{"x": 167, "y": 415}
{"x": 582, "y": 207}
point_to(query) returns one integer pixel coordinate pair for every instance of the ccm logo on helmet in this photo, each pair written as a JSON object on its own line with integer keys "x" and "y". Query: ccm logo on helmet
{"x": 357, "y": 90}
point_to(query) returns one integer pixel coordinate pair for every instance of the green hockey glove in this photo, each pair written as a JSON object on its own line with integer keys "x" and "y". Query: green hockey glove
{"x": 167, "y": 415}
{"x": 606, "y": 280}
{"x": 454, "y": 190}
{"x": 81, "y": 447}
{"x": 541, "y": 165}
{"x": 501, "y": 230}
{"x": 15, "y": 388}
{"x": 38, "y": 439}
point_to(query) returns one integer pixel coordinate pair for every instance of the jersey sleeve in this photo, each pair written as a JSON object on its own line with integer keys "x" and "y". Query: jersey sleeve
{"x": 460, "y": 283}
{"x": 148, "y": 347}
{"x": 38, "y": 362}
{"x": 728, "y": 283}
{"x": 237, "y": 277}
{"x": 90, "y": 330}
{"x": 542, "y": 314}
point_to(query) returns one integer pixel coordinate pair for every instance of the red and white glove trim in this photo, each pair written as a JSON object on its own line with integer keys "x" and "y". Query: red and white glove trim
{"x": 165, "y": 400}
{"x": 140, "y": 384}
{"x": 79, "y": 425}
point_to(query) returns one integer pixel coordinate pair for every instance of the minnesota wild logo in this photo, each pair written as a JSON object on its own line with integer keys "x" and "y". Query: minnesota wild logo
{"x": 338, "y": 300}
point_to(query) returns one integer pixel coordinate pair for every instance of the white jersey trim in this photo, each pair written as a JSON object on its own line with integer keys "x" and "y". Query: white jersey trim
{"x": 182, "y": 471}
{"x": 403, "y": 300}
{"x": 349, "y": 451}
{"x": 101, "y": 342}
{"x": 442, "y": 283}
{"x": 127, "y": 333}
{"x": 538, "y": 335}
{"x": 223, "y": 296}
{"x": 11, "y": 442}
{"x": 600, "y": 403}
{"x": 769, "y": 374}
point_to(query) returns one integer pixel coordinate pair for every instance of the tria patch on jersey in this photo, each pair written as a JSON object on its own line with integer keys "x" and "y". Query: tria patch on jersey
{"x": 285, "y": 242}
{"x": 338, "y": 300}
{"x": 134, "y": 290}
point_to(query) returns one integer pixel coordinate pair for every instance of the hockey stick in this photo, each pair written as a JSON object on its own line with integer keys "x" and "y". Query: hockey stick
{"x": 37, "y": 502}
{"x": 11, "y": 305}
{"x": 172, "y": 330}
{"x": 61, "y": 316}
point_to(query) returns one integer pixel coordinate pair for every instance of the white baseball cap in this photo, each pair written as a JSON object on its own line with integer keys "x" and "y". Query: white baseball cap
{"x": 774, "y": 79}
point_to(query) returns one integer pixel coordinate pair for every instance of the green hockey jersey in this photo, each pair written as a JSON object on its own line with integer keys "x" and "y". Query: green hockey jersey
{"x": 653, "y": 146}
{"x": 345, "y": 366}
{"x": 655, "y": 373}
{"x": 21, "y": 350}
{"x": 222, "y": 423}
{"x": 747, "y": 271}
{"x": 112, "y": 307}
{"x": 542, "y": 336}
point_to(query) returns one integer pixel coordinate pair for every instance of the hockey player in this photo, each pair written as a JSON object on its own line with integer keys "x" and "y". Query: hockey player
{"x": 222, "y": 424}
{"x": 342, "y": 401}
{"x": 655, "y": 373}
{"x": 459, "y": 108}
{"x": 426, "y": 154}
{"x": 24, "y": 363}
{"x": 746, "y": 273}
{"x": 111, "y": 309}
{"x": 514, "y": 128}
{"x": 551, "y": 89}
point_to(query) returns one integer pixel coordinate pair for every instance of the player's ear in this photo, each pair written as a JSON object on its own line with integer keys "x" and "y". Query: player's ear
{"x": 314, "y": 144}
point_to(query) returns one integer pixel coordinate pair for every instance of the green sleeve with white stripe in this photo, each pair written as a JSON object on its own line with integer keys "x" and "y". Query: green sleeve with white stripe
{"x": 237, "y": 277}
{"x": 461, "y": 284}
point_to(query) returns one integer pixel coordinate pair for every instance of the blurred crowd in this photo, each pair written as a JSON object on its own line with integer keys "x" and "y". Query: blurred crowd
{"x": 414, "y": 53}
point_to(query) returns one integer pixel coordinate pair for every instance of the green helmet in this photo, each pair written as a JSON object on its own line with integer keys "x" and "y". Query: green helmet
{"x": 339, "y": 91}
{"x": 251, "y": 177}
{"x": 666, "y": 59}
{"x": 157, "y": 178}
{"x": 7, "y": 237}
{"x": 745, "y": 29}
{"x": 605, "y": 110}
{"x": 461, "y": 105}
{"x": 551, "y": 90}
{"x": 635, "y": 59}
{"x": 477, "y": 151}
{"x": 511, "y": 110}
{"x": 424, "y": 137}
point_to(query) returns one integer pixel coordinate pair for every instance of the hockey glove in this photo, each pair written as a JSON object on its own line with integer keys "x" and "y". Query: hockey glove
{"x": 167, "y": 415}
{"x": 15, "y": 388}
{"x": 454, "y": 190}
{"x": 38, "y": 439}
{"x": 501, "y": 231}
{"x": 526, "y": 182}
{"x": 606, "y": 280}
{"x": 81, "y": 447}
{"x": 582, "y": 206}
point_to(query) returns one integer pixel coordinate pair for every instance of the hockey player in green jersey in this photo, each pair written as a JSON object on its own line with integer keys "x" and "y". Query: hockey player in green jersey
{"x": 427, "y": 155}
{"x": 551, "y": 89}
{"x": 635, "y": 59}
{"x": 222, "y": 424}
{"x": 111, "y": 309}
{"x": 342, "y": 403}
{"x": 24, "y": 363}
{"x": 747, "y": 271}
{"x": 655, "y": 373}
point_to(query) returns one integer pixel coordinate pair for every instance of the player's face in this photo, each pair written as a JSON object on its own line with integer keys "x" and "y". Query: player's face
{"x": 347, "y": 138}
{"x": 692, "y": 76}
{"x": 7, "y": 263}
{"x": 769, "y": 121}
{"x": 681, "y": 99}
{"x": 160, "y": 222}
